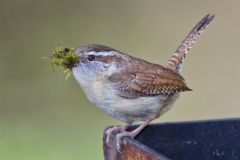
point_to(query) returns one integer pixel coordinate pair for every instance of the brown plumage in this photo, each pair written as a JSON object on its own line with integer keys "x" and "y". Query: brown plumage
{"x": 140, "y": 78}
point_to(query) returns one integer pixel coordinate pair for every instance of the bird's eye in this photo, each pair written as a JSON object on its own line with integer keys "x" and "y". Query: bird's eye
{"x": 91, "y": 57}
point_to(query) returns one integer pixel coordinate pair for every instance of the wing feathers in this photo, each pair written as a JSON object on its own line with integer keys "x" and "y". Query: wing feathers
{"x": 145, "y": 79}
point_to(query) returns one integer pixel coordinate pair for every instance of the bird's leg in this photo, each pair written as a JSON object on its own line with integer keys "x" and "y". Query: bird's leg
{"x": 131, "y": 134}
{"x": 120, "y": 129}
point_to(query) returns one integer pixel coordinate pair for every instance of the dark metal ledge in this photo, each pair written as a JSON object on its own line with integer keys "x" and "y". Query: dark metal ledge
{"x": 197, "y": 140}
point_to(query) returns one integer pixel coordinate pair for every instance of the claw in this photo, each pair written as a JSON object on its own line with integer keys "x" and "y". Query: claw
{"x": 131, "y": 134}
{"x": 114, "y": 129}
{"x": 109, "y": 133}
{"x": 119, "y": 139}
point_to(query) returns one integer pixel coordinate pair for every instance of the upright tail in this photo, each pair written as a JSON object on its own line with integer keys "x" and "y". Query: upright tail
{"x": 176, "y": 61}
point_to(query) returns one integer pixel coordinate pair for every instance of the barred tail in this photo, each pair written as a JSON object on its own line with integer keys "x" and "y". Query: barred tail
{"x": 176, "y": 61}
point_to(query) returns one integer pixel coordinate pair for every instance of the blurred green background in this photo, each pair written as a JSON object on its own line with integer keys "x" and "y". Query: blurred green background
{"x": 45, "y": 117}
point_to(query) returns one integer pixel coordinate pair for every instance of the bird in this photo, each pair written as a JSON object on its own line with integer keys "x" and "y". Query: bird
{"x": 132, "y": 89}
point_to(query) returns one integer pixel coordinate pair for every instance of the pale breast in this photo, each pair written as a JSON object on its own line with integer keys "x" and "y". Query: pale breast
{"x": 102, "y": 93}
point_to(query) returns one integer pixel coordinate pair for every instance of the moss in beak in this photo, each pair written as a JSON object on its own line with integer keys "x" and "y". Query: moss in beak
{"x": 64, "y": 57}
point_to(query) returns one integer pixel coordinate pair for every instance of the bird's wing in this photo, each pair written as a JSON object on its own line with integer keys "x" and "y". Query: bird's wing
{"x": 141, "y": 79}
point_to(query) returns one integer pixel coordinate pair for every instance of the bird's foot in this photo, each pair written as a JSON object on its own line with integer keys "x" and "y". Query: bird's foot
{"x": 131, "y": 134}
{"x": 112, "y": 130}
{"x": 119, "y": 139}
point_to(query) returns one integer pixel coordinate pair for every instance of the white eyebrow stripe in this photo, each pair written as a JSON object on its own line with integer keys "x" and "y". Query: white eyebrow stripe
{"x": 103, "y": 53}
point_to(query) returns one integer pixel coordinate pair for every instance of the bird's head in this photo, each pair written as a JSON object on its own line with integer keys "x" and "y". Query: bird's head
{"x": 94, "y": 59}
{"x": 88, "y": 60}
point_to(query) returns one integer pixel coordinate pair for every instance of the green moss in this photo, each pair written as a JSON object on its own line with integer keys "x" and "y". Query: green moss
{"x": 64, "y": 57}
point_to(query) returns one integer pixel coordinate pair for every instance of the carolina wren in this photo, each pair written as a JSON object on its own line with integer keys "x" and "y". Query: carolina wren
{"x": 132, "y": 89}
